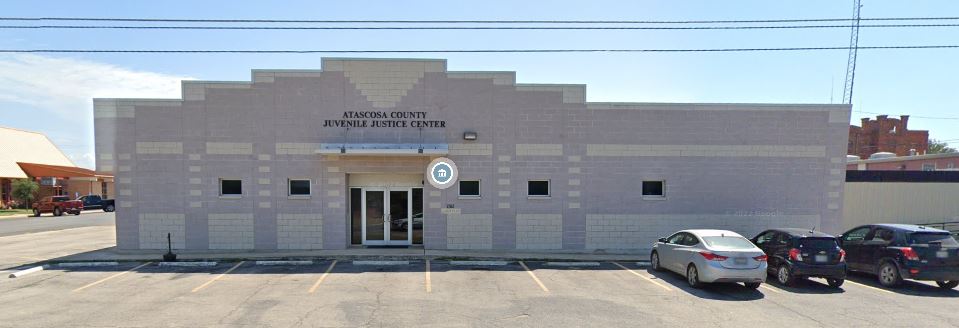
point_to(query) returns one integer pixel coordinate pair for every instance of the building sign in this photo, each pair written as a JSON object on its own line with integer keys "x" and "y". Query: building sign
{"x": 373, "y": 119}
{"x": 442, "y": 173}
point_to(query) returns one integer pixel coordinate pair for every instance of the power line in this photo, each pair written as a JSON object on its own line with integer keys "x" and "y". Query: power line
{"x": 763, "y": 27}
{"x": 184, "y": 51}
{"x": 176, "y": 20}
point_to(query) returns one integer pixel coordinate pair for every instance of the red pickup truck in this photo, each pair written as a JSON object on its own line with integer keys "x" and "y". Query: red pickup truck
{"x": 57, "y": 205}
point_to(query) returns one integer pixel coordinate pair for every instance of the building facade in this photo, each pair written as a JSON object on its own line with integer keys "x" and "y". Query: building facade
{"x": 928, "y": 162}
{"x": 404, "y": 152}
{"x": 31, "y": 155}
{"x": 886, "y": 134}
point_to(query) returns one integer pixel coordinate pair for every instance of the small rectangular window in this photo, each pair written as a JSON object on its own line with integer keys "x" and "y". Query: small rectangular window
{"x": 299, "y": 187}
{"x": 538, "y": 188}
{"x": 231, "y": 187}
{"x": 929, "y": 167}
{"x": 470, "y": 188}
{"x": 653, "y": 189}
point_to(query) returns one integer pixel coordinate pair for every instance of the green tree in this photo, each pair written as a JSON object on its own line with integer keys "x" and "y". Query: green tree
{"x": 25, "y": 190}
{"x": 939, "y": 147}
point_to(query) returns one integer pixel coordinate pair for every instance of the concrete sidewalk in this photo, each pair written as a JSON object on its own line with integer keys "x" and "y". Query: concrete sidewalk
{"x": 112, "y": 254}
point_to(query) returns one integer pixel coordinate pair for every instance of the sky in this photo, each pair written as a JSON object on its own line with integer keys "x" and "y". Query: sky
{"x": 52, "y": 93}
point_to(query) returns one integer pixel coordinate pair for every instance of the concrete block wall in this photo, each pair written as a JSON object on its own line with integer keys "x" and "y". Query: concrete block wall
{"x": 771, "y": 163}
{"x": 154, "y": 228}
{"x": 539, "y": 231}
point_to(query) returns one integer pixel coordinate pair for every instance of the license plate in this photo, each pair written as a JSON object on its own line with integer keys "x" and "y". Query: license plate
{"x": 822, "y": 258}
{"x": 942, "y": 254}
{"x": 739, "y": 260}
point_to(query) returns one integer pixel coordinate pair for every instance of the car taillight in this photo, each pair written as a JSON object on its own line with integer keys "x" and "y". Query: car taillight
{"x": 842, "y": 255}
{"x": 713, "y": 257}
{"x": 909, "y": 254}
{"x": 761, "y": 258}
{"x": 795, "y": 255}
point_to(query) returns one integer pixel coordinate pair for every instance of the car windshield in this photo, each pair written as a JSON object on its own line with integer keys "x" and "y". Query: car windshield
{"x": 729, "y": 242}
{"x": 818, "y": 243}
{"x": 932, "y": 237}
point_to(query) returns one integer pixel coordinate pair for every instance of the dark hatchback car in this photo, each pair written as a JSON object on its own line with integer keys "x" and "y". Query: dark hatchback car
{"x": 795, "y": 254}
{"x": 894, "y": 252}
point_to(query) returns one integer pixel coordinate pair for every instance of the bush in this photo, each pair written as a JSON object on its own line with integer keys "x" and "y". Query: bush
{"x": 25, "y": 190}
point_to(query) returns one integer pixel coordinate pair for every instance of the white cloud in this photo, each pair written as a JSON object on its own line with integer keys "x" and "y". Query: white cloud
{"x": 65, "y": 86}
{"x": 61, "y": 91}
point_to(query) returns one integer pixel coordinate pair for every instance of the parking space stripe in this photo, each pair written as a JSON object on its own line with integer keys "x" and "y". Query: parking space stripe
{"x": 217, "y": 277}
{"x": 429, "y": 286}
{"x": 532, "y": 275}
{"x": 867, "y": 286}
{"x": 110, "y": 277}
{"x": 322, "y": 277}
{"x": 770, "y": 289}
{"x": 644, "y": 277}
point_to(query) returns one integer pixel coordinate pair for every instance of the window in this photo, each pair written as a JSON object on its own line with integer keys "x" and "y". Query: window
{"x": 929, "y": 166}
{"x": 299, "y": 187}
{"x": 653, "y": 189}
{"x": 538, "y": 188}
{"x": 690, "y": 240}
{"x": 765, "y": 238}
{"x": 675, "y": 239}
{"x": 951, "y": 165}
{"x": 856, "y": 235}
{"x": 883, "y": 235}
{"x": 728, "y": 242}
{"x": 470, "y": 188}
{"x": 231, "y": 187}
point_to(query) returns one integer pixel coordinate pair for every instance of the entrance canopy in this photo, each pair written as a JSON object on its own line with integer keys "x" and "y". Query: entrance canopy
{"x": 383, "y": 149}
{"x": 45, "y": 170}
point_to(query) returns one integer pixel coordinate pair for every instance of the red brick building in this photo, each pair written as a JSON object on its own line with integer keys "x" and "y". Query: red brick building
{"x": 886, "y": 134}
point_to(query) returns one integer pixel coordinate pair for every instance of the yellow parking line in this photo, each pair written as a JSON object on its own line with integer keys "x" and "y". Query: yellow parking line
{"x": 644, "y": 277}
{"x": 429, "y": 286}
{"x": 322, "y": 277}
{"x": 110, "y": 277}
{"x": 770, "y": 289}
{"x": 532, "y": 275}
{"x": 867, "y": 286}
{"x": 217, "y": 277}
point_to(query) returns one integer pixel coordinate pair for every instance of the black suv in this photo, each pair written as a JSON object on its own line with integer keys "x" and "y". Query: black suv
{"x": 799, "y": 253}
{"x": 894, "y": 252}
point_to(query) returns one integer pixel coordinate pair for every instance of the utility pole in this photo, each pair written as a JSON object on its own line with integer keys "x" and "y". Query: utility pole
{"x": 853, "y": 50}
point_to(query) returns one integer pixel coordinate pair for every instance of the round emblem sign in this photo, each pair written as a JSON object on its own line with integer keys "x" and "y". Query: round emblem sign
{"x": 442, "y": 173}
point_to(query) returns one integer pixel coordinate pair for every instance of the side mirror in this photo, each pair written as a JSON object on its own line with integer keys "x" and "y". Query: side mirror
{"x": 662, "y": 240}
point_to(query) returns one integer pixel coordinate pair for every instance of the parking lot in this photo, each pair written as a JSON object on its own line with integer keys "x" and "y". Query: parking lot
{"x": 438, "y": 293}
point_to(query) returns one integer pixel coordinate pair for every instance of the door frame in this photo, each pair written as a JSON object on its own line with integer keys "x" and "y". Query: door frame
{"x": 387, "y": 224}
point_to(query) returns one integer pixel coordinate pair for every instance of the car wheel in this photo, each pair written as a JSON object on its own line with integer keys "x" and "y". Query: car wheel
{"x": 109, "y": 208}
{"x": 36, "y": 212}
{"x": 752, "y": 285}
{"x": 835, "y": 283}
{"x": 784, "y": 276}
{"x": 654, "y": 262}
{"x": 948, "y": 284}
{"x": 57, "y": 211}
{"x": 692, "y": 277}
{"x": 76, "y": 213}
{"x": 889, "y": 275}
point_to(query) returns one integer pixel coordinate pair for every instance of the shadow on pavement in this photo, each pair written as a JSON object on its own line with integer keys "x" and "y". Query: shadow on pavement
{"x": 717, "y": 291}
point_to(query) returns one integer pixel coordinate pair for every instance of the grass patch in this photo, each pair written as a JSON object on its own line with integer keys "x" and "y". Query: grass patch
{"x": 14, "y": 212}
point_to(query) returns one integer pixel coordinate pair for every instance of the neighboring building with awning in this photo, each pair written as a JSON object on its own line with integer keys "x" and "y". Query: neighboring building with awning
{"x": 31, "y": 155}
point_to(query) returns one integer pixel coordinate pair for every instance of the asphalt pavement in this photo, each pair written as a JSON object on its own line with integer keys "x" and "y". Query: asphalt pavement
{"x": 48, "y": 222}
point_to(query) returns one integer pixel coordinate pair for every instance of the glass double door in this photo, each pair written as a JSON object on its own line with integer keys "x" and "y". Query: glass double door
{"x": 392, "y": 216}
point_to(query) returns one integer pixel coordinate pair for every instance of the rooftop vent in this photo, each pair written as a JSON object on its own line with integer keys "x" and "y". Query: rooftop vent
{"x": 882, "y": 154}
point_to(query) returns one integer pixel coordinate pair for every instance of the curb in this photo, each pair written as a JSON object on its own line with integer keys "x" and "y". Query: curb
{"x": 186, "y": 264}
{"x": 485, "y": 263}
{"x": 381, "y": 262}
{"x": 86, "y": 264}
{"x": 284, "y": 262}
{"x": 24, "y": 272}
{"x": 573, "y": 264}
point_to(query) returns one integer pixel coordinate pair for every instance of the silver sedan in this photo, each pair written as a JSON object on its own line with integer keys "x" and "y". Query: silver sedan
{"x": 706, "y": 256}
